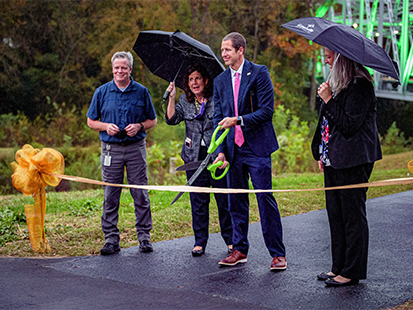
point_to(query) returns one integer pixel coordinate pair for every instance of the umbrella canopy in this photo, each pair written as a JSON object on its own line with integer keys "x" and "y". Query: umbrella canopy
{"x": 167, "y": 54}
{"x": 345, "y": 40}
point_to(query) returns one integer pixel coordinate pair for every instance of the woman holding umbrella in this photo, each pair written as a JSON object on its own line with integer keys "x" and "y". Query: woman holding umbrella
{"x": 346, "y": 145}
{"x": 196, "y": 108}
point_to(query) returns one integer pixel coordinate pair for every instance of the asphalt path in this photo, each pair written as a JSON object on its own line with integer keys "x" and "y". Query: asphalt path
{"x": 170, "y": 278}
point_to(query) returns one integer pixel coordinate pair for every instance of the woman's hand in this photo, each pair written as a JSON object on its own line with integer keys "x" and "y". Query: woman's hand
{"x": 321, "y": 166}
{"x": 172, "y": 90}
{"x": 325, "y": 92}
{"x": 170, "y": 111}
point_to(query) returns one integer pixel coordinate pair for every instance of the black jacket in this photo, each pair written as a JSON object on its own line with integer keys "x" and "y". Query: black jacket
{"x": 354, "y": 138}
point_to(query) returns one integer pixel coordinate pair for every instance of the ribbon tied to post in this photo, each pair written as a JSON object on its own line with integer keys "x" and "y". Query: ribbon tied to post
{"x": 32, "y": 174}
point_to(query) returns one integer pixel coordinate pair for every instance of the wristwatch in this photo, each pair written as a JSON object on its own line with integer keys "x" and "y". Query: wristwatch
{"x": 142, "y": 127}
{"x": 239, "y": 120}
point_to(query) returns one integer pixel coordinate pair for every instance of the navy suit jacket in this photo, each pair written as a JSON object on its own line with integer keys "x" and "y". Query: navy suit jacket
{"x": 255, "y": 105}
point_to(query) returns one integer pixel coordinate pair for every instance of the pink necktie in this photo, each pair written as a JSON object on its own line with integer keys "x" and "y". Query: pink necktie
{"x": 239, "y": 137}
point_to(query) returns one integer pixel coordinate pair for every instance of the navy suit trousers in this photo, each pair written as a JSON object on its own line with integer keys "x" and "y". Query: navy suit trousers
{"x": 246, "y": 164}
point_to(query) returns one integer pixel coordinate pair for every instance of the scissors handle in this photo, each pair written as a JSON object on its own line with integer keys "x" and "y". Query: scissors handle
{"x": 214, "y": 143}
{"x": 213, "y": 167}
{"x": 212, "y": 147}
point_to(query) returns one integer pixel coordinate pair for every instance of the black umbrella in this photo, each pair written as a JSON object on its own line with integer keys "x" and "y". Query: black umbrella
{"x": 345, "y": 40}
{"x": 166, "y": 53}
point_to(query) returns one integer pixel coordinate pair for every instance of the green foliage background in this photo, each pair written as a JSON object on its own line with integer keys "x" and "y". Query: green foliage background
{"x": 61, "y": 50}
{"x": 55, "y": 53}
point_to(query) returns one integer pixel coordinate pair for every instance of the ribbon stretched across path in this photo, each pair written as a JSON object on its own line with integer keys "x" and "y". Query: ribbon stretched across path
{"x": 37, "y": 169}
{"x": 196, "y": 189}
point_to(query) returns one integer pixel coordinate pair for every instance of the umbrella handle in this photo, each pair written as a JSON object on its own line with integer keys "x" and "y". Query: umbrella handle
{"x": 166, "y": 95}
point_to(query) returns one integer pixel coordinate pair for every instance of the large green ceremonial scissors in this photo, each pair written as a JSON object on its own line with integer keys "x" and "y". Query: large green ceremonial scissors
{"x": 205, "y": 163}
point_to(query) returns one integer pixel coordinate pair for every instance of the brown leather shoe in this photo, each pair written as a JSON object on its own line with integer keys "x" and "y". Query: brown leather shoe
{"x": 279, "y": 263}
{"x": 236, "y": 257}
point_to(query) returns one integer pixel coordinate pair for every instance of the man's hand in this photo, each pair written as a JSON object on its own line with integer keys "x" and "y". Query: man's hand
{"x": 228, "y": 122}
{"x": 112, "y": 129}
{"x": 132, "y": 129}
{"x": 221, "y": 157}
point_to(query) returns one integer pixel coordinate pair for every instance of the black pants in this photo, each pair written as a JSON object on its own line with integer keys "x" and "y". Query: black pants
{"x": 346, "y": 211}
{"x": 200, "y": 206}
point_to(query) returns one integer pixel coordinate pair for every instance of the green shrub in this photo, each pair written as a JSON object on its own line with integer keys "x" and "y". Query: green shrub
{"x": 294, "y": 138}
{"x": 9, "y": 225}
{"x": 393, "y": 142}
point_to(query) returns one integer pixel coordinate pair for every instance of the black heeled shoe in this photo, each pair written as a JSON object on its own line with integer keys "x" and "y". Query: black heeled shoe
{"x": 324, "y": 276}
{"x": 334, "y": 283}
{"x": 198, "y": 252}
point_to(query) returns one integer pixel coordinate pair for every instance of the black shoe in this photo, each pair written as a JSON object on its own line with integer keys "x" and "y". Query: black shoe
{"x": 110, "y": 249}
{"x": 146, "y": 246}
{"x": 324, "y": 276}
{"x": 332, "y": 282}
{"x": 198, "y": 252}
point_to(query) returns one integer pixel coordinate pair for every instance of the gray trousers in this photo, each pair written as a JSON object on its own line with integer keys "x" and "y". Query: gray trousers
{"x": 133, "y": 157}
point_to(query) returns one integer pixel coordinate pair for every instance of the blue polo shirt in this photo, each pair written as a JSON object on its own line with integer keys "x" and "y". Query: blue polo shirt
{"x": 111, "y": 105}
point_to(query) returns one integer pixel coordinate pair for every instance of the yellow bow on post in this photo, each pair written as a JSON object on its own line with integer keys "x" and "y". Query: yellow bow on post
{"x": 31, "y": 176}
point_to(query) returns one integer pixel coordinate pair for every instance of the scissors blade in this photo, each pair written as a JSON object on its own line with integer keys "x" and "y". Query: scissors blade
{"x": 189, "y": 166}
{"x": 204, "y": 163}
{"x": 177, "y": 197}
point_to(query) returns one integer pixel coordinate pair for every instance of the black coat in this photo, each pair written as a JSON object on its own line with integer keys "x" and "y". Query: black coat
{"x": 354, "y": 138}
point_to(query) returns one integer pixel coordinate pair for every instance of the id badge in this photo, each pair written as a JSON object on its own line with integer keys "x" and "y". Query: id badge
{"x": 106, "y": 161}
{"x": 108, "y": 158}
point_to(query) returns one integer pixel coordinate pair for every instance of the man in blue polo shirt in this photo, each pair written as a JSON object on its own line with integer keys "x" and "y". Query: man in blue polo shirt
{"x": 121, "y": 111}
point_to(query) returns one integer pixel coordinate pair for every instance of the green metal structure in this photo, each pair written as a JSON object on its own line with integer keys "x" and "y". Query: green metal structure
{"x": 390, "y": 24}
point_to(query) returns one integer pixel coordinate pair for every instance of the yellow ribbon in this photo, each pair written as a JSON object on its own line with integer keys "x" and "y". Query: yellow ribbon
{"x": 31, "y": 176}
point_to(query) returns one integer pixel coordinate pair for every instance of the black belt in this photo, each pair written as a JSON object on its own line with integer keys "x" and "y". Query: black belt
{"x": 123, "y": 143}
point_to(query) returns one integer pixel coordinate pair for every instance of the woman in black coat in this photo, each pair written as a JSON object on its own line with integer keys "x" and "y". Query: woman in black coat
{"x": 346, "y": 145}
{"x": 196, "y": 109}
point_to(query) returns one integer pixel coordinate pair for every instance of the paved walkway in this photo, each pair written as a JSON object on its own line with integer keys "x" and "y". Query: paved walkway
{"x": 170, "y": 278}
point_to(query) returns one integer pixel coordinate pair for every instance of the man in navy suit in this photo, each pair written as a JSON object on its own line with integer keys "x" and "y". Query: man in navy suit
{"x": 248, "y": 147}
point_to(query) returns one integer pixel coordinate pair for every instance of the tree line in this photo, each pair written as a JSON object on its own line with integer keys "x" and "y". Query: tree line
{"x": 59, "y": 50}
{"x": 62, "y": 49}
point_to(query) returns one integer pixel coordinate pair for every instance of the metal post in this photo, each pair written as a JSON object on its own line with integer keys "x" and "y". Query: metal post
{"x": 361, "y": 17}
{"x": 404, "y": 44}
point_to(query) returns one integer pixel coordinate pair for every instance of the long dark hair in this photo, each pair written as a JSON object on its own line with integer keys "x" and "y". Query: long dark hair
{"x": 209, "y": 87}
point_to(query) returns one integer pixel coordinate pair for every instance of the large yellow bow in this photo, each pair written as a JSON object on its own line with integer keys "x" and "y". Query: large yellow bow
{"x": 31, "y": 176}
